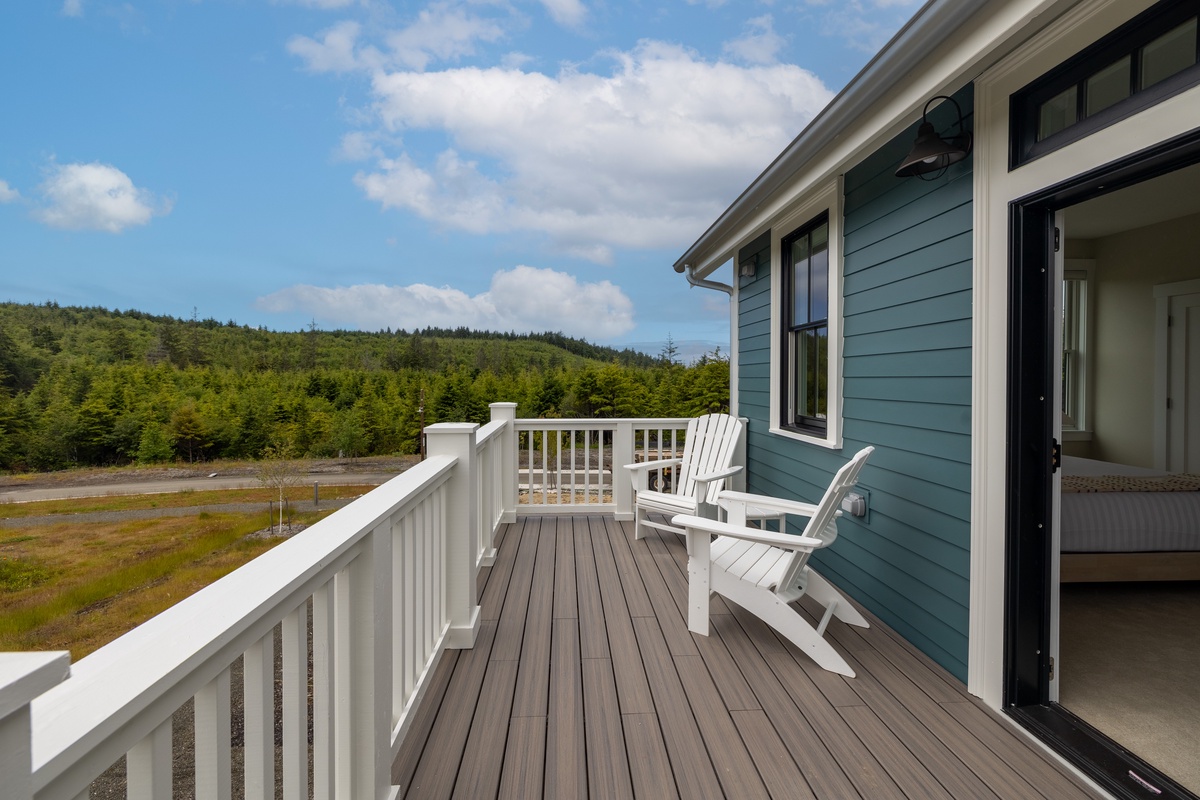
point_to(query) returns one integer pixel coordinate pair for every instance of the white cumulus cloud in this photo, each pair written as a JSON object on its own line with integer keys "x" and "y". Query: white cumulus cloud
{"x": 72, "y": 8}
{"x": 640, "y": 157}
{"x": 570, "y": 13}
{"x": 760, "y": 44}
{"x": 334, "y": 52}
{"x": 323, "y": 4}
{"x": 441, "y": 32}
{"x": 866, "y": 25}
{"x": 96, "y": 197}
{"x": 520, "y": 299}
{"x": 8, "y": 194}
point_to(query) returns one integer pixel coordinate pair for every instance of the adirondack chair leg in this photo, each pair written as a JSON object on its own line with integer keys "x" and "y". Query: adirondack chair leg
{"x": 823, "y": 592}
{"x": 699, "y": 545}
{"x": 795, "y": 629}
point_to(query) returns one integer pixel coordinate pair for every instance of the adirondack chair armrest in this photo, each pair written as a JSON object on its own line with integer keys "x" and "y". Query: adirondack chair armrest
{"x": 658, "y": 463}
{"x": 720, "y": 474}
{"x": 712, "y": 526}
{"x": 640, "y": 473}
{"x": 796, "y": 507}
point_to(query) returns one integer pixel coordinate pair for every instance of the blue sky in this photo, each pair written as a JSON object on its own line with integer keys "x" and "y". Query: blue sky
{"x": 365, "y": 164}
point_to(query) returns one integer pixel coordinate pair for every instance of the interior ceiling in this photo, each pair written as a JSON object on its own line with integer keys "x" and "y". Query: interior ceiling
{"x": 1171, "y": 196}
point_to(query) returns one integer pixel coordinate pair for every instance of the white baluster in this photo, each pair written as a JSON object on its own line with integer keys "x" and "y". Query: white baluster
{"x": 148, "y": 766}
{"x": 259, "y": 718}
{"x": 323, "y": 725}
{"x": 213, "y": 769}
{"x": 295, "y": 704}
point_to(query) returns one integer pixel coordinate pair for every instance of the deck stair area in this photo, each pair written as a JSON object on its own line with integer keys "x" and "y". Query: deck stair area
{"x": 450, "y": 635}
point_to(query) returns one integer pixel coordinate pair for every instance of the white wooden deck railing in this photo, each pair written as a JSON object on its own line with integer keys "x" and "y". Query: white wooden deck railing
{"x": 574, "y": 465}
{"x": 384, "y": 586}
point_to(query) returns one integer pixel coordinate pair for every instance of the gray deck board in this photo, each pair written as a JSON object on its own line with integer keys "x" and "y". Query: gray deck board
{"x": 585, "y": 682}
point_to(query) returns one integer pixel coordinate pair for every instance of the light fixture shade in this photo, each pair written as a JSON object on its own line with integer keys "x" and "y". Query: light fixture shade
{"x": 932, "y": 153}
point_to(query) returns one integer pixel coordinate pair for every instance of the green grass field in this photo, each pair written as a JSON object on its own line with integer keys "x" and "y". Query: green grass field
{"x": 77, "y": 586}
{"x": 184, "y": 499}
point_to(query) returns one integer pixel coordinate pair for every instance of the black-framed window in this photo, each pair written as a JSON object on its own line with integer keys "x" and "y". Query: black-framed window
{"x": 805, "y": 346}
{"x": 1149, "y": 59}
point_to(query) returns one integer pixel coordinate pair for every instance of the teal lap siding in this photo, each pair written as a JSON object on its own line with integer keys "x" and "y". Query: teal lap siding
{"x": 906, "y": 364}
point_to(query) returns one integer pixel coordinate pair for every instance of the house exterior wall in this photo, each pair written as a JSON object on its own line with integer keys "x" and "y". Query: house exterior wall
{"x": 906, "y": 388}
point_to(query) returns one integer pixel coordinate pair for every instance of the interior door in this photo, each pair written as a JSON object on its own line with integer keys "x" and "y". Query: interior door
{"x": 1183, "y": 397}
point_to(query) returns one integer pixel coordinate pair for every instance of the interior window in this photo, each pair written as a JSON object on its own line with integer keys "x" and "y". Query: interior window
{"x": 1075, "y": 346}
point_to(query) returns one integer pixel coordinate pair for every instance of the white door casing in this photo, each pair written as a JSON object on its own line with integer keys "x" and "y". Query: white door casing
{"x": 1177, "y": 376}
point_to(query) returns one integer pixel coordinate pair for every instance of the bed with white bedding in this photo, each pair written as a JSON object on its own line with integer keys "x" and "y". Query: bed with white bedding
{"x": 1123, "y": 523}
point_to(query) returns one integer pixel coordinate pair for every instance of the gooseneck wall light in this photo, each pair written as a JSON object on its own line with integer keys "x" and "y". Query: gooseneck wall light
{"x": 931, "y": 154}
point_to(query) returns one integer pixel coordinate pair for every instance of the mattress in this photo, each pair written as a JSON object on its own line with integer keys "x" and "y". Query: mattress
{"x": 1126, "y": 521}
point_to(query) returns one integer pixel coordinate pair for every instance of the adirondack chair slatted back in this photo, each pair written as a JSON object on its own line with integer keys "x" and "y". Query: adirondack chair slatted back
{"x": 823, "y": 524}
{"x": 710, "y": 444}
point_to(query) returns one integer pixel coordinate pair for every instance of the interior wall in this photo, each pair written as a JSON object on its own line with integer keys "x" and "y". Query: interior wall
{"x": 1128, "y": 267}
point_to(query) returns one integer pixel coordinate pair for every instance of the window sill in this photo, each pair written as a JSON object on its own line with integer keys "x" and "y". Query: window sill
{"x": 1077, "y": 436}
{"x": 808, "y": 438}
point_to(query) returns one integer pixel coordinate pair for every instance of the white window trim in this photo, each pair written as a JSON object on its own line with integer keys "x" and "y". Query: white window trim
{"x": 827, "y": 199}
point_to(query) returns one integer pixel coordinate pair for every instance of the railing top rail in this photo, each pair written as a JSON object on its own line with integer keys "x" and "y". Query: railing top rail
{"x": 487, "y": 432}
{"x": 151, "y": 664}
{"x": 595, "y": 424}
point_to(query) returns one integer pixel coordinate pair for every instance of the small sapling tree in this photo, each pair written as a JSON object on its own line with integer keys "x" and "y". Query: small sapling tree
{"x": 278, "y": 471}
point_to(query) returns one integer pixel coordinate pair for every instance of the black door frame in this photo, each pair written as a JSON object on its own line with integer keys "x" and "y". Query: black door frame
{"x": 1031, "y": 463}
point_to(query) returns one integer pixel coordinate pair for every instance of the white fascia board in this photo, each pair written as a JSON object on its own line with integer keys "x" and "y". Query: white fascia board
{"x": 882, "y": 100}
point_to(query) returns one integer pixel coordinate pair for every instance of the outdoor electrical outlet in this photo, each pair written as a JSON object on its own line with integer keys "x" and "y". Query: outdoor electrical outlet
{"x": 856, "y": 504}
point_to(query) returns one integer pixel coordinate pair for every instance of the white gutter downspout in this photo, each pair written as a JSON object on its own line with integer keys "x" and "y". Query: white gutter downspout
{"x": 703, "y": 283}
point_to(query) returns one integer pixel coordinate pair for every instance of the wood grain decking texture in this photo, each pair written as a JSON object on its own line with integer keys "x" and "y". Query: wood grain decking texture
{"x": 585, "y": 682}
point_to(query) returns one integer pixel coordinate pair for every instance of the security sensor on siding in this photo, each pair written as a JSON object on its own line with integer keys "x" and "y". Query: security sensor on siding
{"x": 749, "y": 267}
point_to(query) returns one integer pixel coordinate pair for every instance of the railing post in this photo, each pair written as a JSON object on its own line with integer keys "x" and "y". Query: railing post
{"x": 508, "y": 459}
{"x": 457, "y": 439}
{"x": 23, "y": 676}
{"x": 622, "y": 455}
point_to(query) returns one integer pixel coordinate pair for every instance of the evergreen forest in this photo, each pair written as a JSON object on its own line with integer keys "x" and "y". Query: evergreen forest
{"x": 93, "y": 387}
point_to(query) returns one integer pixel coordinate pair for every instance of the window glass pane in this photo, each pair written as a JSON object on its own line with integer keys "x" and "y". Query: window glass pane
{"x": 1172, "y": 52}
{"x": 1057, "y": 113}
{"x": 800, "y": 281}
{"x": 821, "y": 378}
{"x": 1108, "y": 86}
{"x": 819, "y": 270}
{"x": 812, "y": 371}
{"x": 799, "y": 377}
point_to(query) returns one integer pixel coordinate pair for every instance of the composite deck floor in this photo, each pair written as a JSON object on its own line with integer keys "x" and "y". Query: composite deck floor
{"x": 585, "y": 682}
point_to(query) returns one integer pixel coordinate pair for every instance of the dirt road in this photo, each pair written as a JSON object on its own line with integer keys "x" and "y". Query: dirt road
{"x": 159, "y": 480}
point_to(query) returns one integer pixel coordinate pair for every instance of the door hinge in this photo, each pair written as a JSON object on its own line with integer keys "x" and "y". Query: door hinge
{"x": 1051, "y": 667}
{"x": 1054, "y": 456}
{"x": 1057, "y": 239}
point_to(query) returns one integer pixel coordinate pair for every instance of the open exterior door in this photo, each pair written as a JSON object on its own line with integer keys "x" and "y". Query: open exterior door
{"x": 1034, "y": 431}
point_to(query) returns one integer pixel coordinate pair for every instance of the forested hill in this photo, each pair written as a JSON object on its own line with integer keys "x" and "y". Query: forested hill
{"x": 88, "y": 386}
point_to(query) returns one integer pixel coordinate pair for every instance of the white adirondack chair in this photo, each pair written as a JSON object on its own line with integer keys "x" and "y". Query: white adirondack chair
{"x": 763, "y": 571}
{"x": 697, "y": 477}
